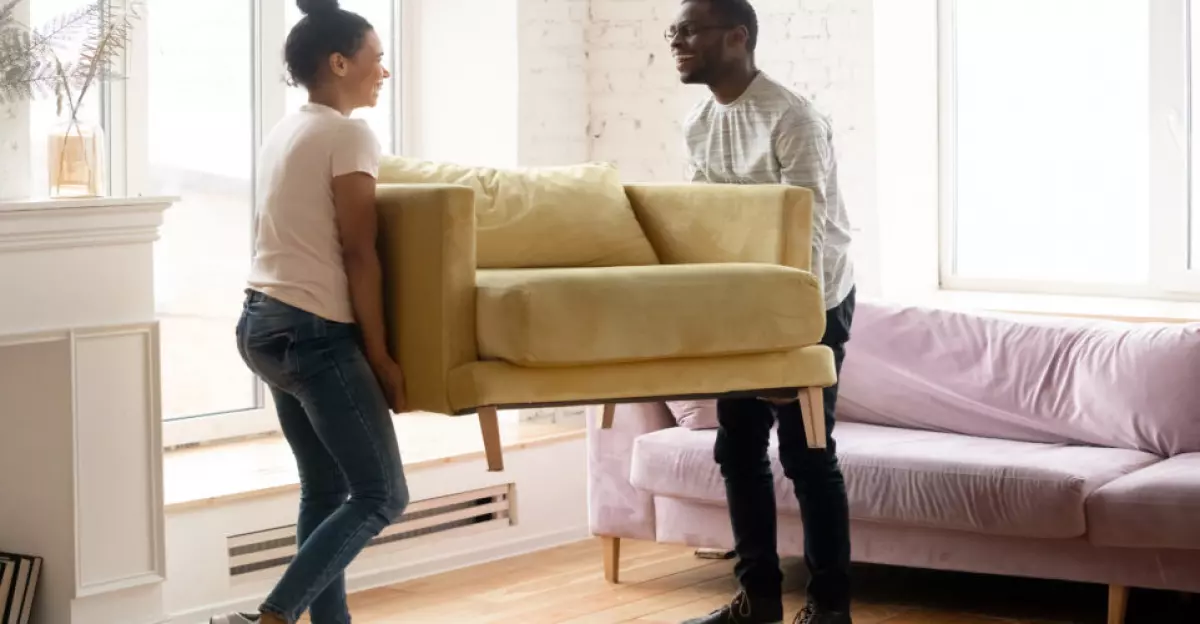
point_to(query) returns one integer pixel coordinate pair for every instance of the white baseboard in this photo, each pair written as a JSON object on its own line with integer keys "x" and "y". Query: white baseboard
{"x": 409, "y": 570}
{"x": 554, "y": 414}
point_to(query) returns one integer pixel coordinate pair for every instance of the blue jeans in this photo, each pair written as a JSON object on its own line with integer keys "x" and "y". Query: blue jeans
{"x": 333, "y": 413}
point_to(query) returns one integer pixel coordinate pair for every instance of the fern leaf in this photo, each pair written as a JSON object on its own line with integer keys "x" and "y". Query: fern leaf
{"x": 30, "y": 65}
{"x": 31, "y": 81}
{"x": 100, "y": 52}
{"x": 61, "y": 29}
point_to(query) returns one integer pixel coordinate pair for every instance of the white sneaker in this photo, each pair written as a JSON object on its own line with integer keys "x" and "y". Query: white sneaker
{"x": 234, "y": 618}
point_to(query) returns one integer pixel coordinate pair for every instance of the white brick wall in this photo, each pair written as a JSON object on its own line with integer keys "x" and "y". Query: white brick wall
{"x": 553, "y": 109}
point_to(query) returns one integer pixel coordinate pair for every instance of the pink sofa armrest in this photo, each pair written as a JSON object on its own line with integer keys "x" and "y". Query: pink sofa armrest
{"x": 616, "y": 508}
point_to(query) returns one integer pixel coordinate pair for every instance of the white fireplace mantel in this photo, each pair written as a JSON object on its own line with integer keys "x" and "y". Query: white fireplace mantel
{"x": 68, "y": 223}
{"x": 80, "y": 416}
{"x": 77, "y": 262}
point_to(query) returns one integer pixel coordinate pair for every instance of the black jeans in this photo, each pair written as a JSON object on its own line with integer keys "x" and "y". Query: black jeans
{"x": 741, "y": 451}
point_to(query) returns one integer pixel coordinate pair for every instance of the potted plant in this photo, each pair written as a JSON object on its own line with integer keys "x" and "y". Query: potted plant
{"x": 66, "y": 59}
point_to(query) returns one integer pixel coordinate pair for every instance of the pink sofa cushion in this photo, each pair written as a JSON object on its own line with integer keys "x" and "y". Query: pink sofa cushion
{"x": 915, "y": 478}
{"x": 694, "y": 414}
{"x": 1158, "y": 507}
{"x": 1119, "y": 385}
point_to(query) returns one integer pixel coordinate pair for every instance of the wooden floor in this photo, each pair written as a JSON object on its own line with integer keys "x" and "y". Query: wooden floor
{"x": 668, "y": 584}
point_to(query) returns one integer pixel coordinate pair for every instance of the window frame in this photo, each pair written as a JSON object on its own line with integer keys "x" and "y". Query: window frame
{"x": 1171, "y": 152}
{"x": 125, "y": 104}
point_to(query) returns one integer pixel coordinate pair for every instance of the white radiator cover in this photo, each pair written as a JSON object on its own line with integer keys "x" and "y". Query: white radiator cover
{"x": 544, "y": 505}
{"x": 266, "y": 553}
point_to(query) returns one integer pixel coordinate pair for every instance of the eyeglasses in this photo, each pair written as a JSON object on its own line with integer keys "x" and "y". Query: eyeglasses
{"x": 688, "y": 31}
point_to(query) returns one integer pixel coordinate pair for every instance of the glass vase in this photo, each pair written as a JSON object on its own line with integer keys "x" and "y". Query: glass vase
{"x": 75, "y": 160}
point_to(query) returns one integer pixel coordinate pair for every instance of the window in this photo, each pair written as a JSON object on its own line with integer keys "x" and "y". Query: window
{"x": 207, "y": 106}
{"x": 200, "y": 148}
{"x": 1065, "y": 127}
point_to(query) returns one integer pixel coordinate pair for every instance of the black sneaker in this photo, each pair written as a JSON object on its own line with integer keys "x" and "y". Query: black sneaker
{"x": 812, "y": 614}
{"x": 742, "y": 611}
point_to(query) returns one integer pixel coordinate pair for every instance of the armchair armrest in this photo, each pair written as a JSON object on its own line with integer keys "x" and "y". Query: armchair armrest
{"x": 427, "y": 253}
{"x": 717, "y": 223}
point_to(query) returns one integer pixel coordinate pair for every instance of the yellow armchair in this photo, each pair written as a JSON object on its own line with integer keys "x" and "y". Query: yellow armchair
{"x": 561, "y": 286}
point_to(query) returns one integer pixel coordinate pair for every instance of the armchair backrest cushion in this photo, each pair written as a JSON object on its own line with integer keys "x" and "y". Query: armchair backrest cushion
{"x": 715, "y": 223}
{"x": 543, "y": 217}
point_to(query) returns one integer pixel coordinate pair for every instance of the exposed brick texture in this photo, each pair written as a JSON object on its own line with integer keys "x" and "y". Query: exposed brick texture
{"x": 552, "y": 85}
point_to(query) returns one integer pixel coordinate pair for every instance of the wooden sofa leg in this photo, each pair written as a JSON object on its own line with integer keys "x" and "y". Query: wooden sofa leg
{"x": 612, "y": 559}
{"x": 1118, "y": 601}
{"x": 606, "y": 420}
{"x": 812, "y": 409}
{"x": 489, "y": 424}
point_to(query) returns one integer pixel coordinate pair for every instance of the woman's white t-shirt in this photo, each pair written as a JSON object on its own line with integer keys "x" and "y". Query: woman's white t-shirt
{"x": 298, "y": 252}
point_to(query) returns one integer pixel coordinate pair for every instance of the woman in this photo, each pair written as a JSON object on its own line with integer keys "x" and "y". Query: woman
{"x": 312, "y": 324}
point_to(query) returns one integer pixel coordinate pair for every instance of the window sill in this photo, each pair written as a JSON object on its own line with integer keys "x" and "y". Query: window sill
{"x": 1110, "y": 308}
{"x": 263, "y": 466}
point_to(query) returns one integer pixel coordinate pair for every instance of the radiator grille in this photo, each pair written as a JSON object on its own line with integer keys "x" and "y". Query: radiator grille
{"x": 470, "y": 511}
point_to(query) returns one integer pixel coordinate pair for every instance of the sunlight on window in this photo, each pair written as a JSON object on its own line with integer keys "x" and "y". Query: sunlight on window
{"x": 379, "y": 13}
{"x": 1053, "y": 140}
{"x": 201, "y": 149}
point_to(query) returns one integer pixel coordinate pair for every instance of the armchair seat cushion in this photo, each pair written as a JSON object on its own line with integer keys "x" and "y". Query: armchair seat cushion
{"x": 591, "y": 316}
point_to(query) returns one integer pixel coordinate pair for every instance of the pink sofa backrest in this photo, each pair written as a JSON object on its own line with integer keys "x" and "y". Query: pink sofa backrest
{"x": 1074, "y": 381}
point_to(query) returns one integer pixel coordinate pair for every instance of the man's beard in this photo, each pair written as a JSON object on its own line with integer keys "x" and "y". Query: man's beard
{"x": 699, "y": 76}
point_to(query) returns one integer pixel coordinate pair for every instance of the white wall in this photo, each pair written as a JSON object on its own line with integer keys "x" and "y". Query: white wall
{"x": 15, "y": 168}
{"x": 552, "y": 61}
{"x": 463, "y": 84}
{"x": 498, "y": 82}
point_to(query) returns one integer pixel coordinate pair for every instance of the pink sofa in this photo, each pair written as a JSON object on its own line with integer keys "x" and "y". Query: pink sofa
{"x": 1014, "y": 445}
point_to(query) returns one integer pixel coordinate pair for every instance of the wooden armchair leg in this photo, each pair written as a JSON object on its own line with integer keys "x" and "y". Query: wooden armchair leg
{"x": 489, "y": 424}
{"x": 612, "y": 559}
{"x": 812, "y": 408}
{"x": 606, "y": 420}
{"x": 1118, "y": 602}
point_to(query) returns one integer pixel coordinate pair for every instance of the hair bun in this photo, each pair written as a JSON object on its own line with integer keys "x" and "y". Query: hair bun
{"x": 308, "y": 7}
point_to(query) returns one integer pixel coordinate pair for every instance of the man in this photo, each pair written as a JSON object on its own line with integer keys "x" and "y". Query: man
{"x": 752, "y": 130}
